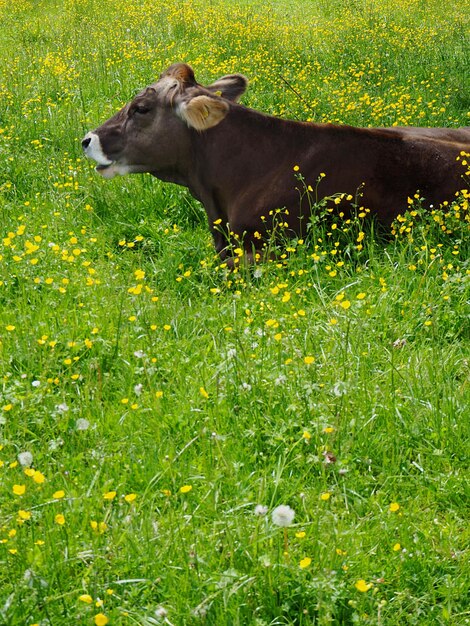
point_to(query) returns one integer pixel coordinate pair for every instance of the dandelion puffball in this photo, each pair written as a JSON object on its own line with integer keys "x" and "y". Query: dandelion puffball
{"x": 260, "y": 510}
{"x": 283, "y": 515}
{"x": 25, "y": 459}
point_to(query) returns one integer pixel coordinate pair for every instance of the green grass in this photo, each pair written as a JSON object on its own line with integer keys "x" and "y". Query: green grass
{"x": 333, "y": 380}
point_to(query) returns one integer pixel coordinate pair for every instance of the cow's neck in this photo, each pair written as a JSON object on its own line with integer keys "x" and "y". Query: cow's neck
{"x": 237, "y": 154}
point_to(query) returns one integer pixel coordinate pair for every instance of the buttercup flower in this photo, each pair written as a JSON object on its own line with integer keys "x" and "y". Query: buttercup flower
{"x": 362, "y": 586}
{"x": 85, "y": 597}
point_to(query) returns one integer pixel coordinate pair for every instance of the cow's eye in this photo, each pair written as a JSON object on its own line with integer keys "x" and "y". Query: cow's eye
{"x": 142, "y": 109}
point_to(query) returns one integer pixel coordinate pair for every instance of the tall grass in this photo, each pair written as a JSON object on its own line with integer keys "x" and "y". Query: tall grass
{"x": 156, "y": 408}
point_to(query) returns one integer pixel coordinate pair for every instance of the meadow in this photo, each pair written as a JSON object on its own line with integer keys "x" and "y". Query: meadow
{"x": 180, "y": 444}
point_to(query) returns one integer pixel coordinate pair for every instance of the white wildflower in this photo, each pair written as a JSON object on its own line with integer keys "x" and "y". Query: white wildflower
{"x": 399, "y": 343}
{"x": 160, "y": 611}
{"x": 55, "y": 444}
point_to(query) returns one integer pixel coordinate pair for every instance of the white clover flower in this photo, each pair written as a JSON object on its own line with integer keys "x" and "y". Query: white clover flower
{"x": 260, "y": 510}
{"x": 160, "y": 611}
{"x": 55, "y": 444}
{"x": 399, "y": 343}
{"x": 25, "y": 459}
{"x": 36, "y": 383}
{"x": 283, "y": 515}
{"x": 138, "y": 389}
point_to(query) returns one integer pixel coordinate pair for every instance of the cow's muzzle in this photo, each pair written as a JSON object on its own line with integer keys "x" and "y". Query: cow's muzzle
{"x": 92, "y": 147}
{"x": 106, "y": 167}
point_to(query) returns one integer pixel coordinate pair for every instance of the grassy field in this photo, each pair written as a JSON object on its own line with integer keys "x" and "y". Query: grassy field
{"x": 156, "y": 410}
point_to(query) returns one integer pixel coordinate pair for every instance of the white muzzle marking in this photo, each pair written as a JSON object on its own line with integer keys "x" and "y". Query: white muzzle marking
{"x": 106, "y": 167}
{"x": 95, "y": 151}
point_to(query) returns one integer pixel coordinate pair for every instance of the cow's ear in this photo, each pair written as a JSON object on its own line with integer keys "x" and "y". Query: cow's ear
{"x": 203, "y": 112}
{"x": 231, "y": 87}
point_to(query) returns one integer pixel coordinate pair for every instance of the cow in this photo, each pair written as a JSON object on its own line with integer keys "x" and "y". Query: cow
{"x": 241, "y": 164}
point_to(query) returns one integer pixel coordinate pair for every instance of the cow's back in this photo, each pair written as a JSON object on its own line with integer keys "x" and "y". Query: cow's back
{"x": 453, "y": 136}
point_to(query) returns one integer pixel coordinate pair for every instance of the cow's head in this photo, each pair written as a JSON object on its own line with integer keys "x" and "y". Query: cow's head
{"x": 150, "y": 134}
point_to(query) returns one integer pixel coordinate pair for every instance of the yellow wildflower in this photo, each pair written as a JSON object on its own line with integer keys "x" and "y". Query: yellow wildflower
{"x": 362, "y": 586}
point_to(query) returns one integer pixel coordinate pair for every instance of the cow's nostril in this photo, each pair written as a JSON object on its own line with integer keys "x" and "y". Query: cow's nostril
{"x": 86, "y": 142}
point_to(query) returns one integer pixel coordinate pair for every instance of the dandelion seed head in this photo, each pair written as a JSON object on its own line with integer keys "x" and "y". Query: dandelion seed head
{"x": 283, "y": 516}
{"x": 25, "y": 459}
{"x": 260, "y": 510}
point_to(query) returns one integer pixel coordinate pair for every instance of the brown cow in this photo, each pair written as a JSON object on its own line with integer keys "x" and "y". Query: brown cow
{"x": 239, "y": 162}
